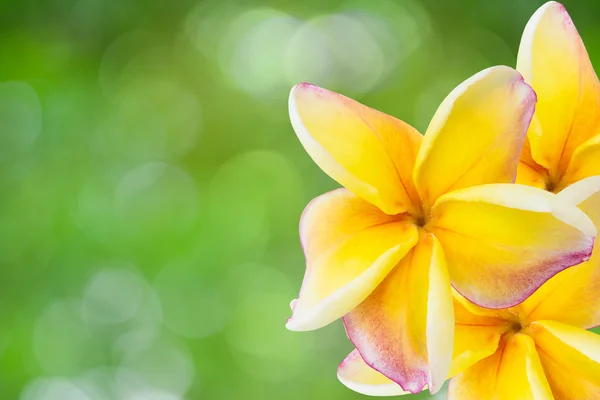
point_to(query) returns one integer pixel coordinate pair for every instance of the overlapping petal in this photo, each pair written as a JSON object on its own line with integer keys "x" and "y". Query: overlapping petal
{"x": 514, "y": 371}
{"x": 571, "y": 359}
{"x": 476, "y": 134}
{"x": 529, "y": 172}
{"x": 358, "y": 376}
{"x": 404, "y": 329}
{"x": 573, "y": 296}
{"x": 370, "y": 153}
{"x": 350, "y": 247}
{"x": 503, "y": 241}
{"x": 554, "y": 61}
{"x": 477, "y": 334}
{"x": 585, "y": 161}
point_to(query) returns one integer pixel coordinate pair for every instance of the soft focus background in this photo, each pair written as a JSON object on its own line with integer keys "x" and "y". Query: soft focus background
{"x": 152, "y": 185}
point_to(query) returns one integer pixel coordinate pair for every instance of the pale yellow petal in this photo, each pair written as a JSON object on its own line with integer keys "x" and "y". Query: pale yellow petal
{"x": 503, "y": 241}
{"x": 404, "y": 329}
{"x": 350, "y": 247}
{"x": 356, "y": 375}
{"x": 476, "y": 134}
{"x": 370, "y": 153}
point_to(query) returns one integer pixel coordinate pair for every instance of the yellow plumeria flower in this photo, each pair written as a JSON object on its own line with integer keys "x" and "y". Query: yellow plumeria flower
{"x": 563, "y": 143}
{"x": 419, "y": 213}
{"x": 538, "y": 350}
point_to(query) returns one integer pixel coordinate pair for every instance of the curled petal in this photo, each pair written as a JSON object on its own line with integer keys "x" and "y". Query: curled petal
{"x": 356, "y": 375}
{"x": 350, "y": 247}
{"x": 570, "y": 357}
{"x": 404, "y": 329}
{"x": 488, "y": 115}
{"x": 554, "y": 61}
{"x": 370, "y": 153}
{"x": 502, "y": 241}
{"x": 514, "y": 371}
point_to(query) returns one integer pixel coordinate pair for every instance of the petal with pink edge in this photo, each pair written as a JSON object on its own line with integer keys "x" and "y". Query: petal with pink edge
{"x": 554, "y": 61}
{"x": 356, "y": 375}
{"x": 503, "y": 241}
{"x": 573, "y": 296}
{"x": 370, "y": 153}
{"x": 350, "y": 247}
{"x": 476, "y": 135}
{"x": 405, "y": 328}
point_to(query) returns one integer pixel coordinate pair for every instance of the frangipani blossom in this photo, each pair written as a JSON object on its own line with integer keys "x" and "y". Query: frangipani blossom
{"x": 538, "y": 350}
{"x": 419, "y": 213}
{"x": 563, "y": 143}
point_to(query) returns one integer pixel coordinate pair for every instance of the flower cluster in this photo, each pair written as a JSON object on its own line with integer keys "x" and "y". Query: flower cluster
{"x": 466, "y": 253}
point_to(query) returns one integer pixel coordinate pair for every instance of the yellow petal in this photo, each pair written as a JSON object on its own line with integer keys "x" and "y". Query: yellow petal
{"x": 404, "y": 329}
{"x": 529, "y": 176}
{"x": 476, "y": 134}
{"x": 468, "y": 312}
{"x": 473, "y": 344}
{"x": 573, "y": 296}
{"x": 503, "y": 241}
{"x": 571, "y": 359}
{"x": 370, "y": 153}
{"x": 512, "y": 372}
{"x": 476, "y": 336}
{"x": 585, "y": 161}
{"x": 553, "y": 60}
{"x": 529, "y": 172}
{"x": 355, "y": 374}
{"x": 350, "y": 247}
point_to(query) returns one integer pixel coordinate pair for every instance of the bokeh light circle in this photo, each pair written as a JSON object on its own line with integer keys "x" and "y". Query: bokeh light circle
{"x": 255, "y": 39}
{"x": 62, "y": 342}
{"x": 112, "y": 296}
{"x": 57, "y": 389}
{"x": 162, "y": 365}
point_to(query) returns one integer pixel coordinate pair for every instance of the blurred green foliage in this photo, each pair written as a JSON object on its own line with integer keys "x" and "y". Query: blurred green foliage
{"x": 152, "y": 185}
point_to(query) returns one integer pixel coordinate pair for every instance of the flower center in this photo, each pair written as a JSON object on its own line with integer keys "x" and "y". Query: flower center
{"x": 420, "y": 220}
{"x": 554, "y": 183}
{"x": 516, "y": 326}
{"x": 551, "y": 186}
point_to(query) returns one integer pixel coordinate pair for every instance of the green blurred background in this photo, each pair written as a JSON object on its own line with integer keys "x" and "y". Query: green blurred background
{"x": 152, "y": 185}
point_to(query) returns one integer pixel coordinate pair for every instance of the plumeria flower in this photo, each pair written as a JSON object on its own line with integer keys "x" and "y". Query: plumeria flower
{"x": 539, "y": 349}
{"x": 419, "y": 213}
{"x": 563, "y": 143}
